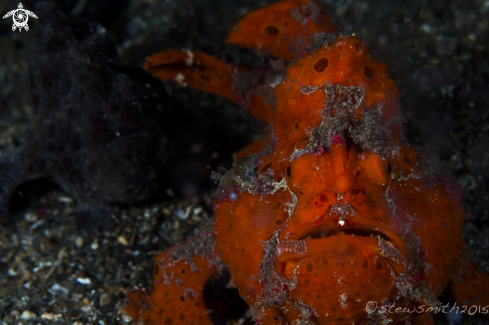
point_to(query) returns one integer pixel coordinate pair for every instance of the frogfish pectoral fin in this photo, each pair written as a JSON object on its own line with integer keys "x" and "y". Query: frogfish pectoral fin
{"x": 178, "y": 294}
{"x": 193, "y": 69}
{"x": 204, "y": 72}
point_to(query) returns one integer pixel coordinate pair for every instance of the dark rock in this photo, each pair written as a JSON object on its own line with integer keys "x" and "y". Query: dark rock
{"x": 97, "y": 132}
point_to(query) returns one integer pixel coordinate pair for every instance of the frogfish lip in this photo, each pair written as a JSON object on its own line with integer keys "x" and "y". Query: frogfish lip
{"x": 334, "y": 233}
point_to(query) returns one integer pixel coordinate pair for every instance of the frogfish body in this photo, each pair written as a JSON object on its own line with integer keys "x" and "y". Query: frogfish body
{"x": 331, "y": 219}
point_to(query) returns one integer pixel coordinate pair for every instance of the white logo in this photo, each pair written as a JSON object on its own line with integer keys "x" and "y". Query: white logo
{"x": 20, "y": 17}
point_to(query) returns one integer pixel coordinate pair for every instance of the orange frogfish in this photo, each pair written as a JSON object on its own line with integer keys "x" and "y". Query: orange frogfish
{"x": 329, "y": 220}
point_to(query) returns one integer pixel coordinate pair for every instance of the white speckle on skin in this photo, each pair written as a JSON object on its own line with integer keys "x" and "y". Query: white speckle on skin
{"x": 342, "y": 301}
{"x": 180, "y": 79}
{"x": 190, "y": 58}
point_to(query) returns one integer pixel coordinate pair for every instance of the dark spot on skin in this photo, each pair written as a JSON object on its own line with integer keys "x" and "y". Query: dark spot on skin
{"x": 288, "y": 171}
{"x": 321, "y": 65}
{"x": 276, "y": 206}
{"x": 365, "y": 264}
{"x": 409, "y": 161}
{"x": 323, "y": 287}
{"x": 368, "y": 72}
{"x": 271, "y": 30}
{"x": 205, "y": 78}
{"x": 389, "y": 167}
{"x": 309, "y": 267}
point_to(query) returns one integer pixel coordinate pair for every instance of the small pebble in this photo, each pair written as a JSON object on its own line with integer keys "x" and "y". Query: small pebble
{"x": 79, "y": 241}
{"x": 27, "y": 315}
{"x": 50, "y": 316}
{"x": 126, "y": 318}
{"x": 85, "y": 281}
{"x": 104, "y": 299}
{"x": 122, "y": 240}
